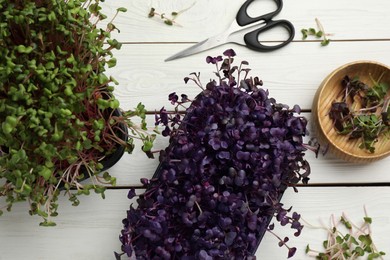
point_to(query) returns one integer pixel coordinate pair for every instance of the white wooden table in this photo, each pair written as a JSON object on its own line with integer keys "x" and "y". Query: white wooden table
{"x": 292, "y": 74}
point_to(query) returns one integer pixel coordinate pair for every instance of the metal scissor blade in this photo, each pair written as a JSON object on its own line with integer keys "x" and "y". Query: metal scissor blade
{"x": 201, "y": 46}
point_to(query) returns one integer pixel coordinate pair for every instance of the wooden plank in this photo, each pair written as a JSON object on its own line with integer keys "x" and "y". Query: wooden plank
{"x": 325, "y": 169}
{"x": 91, "y": 230}
{"x": 344, "y": 19}
{"x": 292, "y": 74}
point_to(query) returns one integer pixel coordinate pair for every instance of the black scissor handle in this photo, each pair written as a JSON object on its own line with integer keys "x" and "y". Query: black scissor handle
{"x": 244, "y": 19}
{"x": 252, "y": 39}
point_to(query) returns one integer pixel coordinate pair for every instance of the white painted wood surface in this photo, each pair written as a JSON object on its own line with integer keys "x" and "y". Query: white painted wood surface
{"x": 90, "y": 231}
{"x": 292, "y": 74}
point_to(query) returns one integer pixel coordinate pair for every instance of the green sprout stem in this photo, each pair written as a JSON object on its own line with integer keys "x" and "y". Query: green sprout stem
{"x": 325, "y": 40}
{"x": 319, "y": 33}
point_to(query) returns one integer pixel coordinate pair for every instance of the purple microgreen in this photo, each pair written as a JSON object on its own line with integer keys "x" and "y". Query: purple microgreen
{"x": 131, "y": 194}
{"x": 219, "y": 183}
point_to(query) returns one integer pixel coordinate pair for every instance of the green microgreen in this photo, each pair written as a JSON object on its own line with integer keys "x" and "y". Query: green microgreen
{"x": 346, "y": 240}
{"x": 362, "y": 111}
{"x": 57, "y": 105}
{"x": 317, "y": 33}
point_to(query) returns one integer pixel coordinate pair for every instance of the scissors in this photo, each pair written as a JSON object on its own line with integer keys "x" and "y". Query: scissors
{"x": 238, "y": 32}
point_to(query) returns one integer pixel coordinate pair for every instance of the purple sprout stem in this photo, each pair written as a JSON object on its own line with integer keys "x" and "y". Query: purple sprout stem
{"x": 279, "y": 238}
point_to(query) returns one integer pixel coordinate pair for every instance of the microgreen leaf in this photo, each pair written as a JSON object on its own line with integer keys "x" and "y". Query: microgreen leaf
{"x": 131, "y": 194}
{"x": 47, "y": 224}
{"x": 307, "y": 250}
{"x": 368, "y": 220}
{"x": 151, "y": 12}
{"x": 319, "y": 34}
{"x": 325, "y": 42}
{"x": 346, "y": 223}
{"x": 304, "y": 34}
{"x": 121, "y": 9}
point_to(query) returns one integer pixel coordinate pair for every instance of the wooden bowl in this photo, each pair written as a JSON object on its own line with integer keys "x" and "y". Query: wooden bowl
{"x": 327, "y": 93}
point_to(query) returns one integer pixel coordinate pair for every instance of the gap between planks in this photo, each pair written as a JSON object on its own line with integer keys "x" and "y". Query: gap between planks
{"x": 303, "y": 110}
{"x": 119, "y": 187}
{"x": 297, "y": 41}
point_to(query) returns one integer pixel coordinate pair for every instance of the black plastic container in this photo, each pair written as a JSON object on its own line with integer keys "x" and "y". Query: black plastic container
{"x": 113, "y": 158}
